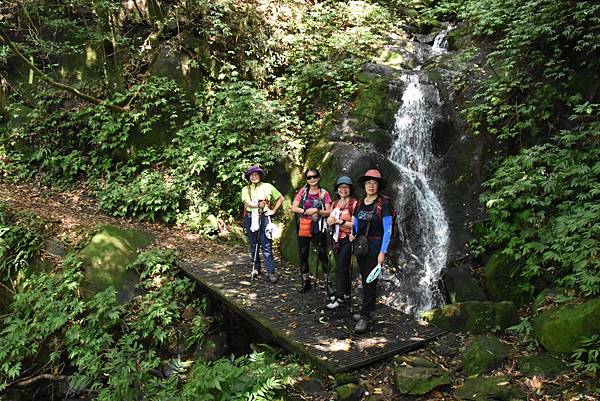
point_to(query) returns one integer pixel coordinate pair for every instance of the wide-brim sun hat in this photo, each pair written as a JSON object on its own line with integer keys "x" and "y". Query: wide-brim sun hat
{"x": 372, "y": 174}
{"x": 254, "y": 169}
{"x": 343, "y": 180}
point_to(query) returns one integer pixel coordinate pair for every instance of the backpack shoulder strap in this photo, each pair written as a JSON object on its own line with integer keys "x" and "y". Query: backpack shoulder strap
{"x": 379, "y": 205}
{"x": 304, "y": 195}
{"x": 353, "y": 204}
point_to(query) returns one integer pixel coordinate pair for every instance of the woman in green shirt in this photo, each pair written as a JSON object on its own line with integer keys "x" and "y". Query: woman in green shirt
{"x": 261, "y": 201}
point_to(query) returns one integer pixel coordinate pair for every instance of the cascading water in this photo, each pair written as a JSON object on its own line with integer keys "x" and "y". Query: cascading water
{"x": 424, "y": 233}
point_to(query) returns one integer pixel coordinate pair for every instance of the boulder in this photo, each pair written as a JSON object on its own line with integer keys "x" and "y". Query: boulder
{"x": 548, "y": 298}
{"x": 560, "y": 330}
{"x": 473, "y": 317}
{"x": 418, "y": 376}
{"x": 483, "y": 355}
{"x": 503, "y": 280}
{"x": 349, "y": 392}
{"x": 312, "y": 388}
{"x": 460, "y": 37}
{"x": 488, "y": 389}
{"x": 546, "y": 366}
{"x": 461, "y": 286}
{"x": 107, "y": 256}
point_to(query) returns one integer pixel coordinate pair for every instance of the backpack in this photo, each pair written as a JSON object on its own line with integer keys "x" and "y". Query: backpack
{"x": 379, "y": 206}
{"x": 305, "y": 196}
{"x": 303, "y": 199}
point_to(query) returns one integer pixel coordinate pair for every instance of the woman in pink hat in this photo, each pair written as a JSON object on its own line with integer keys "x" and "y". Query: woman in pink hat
{"x": 373, "y": 219}
{"x": 261, "y": 201}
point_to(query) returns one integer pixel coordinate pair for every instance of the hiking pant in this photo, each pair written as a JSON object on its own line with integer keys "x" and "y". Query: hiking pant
{"x": 320, "y": 243}
{"x": 343, "y": 257}
{"x": 260, "y": 238}
{"x": 365, "y": 265}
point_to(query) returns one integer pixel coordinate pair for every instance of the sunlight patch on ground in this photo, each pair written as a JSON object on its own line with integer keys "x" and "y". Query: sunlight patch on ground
{"x": 370, "y": 342}
{"x": 334, "y": 345}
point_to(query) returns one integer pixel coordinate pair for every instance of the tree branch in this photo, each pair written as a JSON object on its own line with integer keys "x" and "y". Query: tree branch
{"x": 58, "y": 85}
{"x": 44, "y": 376}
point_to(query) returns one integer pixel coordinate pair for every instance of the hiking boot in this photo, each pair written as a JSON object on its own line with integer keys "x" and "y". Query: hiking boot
{"x": 273, "y": 277}
{"x": 357, "y": 316}
{"x": 305, "y": 285}
{"x": 362, "y": 325}
{"x": 334, "y": 304}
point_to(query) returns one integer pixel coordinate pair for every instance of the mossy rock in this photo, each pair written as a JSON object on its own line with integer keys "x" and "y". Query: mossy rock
{"x": 473, "y": 317}
{"x": 548, "y": 297}
{"x": 503, "y": 280}
{"x": 495, "y": 388}
{"x": 414, "y": 361}
{"x": 321, "y": 157}
{"x": 107, "y": 256}
{"x": 374, "y": 110}
{"x": 560, "y": 330}
{"x": 460, "y": 37}
{"x": 414, "y": 380}
{"x": 289, "y": 243}
{"x": 483, "y": 355}
{"x": 349, "y": 392}
{"x": 345, "y": 378}
{"x": 462, "y": 286}
{"x": 546, "y": 366}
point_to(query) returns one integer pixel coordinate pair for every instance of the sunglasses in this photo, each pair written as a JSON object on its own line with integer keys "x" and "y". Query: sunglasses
{"x": 312, "y": 177}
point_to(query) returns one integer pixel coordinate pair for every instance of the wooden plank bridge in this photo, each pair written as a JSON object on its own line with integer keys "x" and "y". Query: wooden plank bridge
{"x": 300, "y": 323}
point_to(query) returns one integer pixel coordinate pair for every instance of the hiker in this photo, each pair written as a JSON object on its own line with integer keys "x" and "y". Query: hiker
{"x": 312, "y": 205}
{"x": 261, "y": 201}
{"x": 373, "y": 220}
{"x": 340, "y": 219}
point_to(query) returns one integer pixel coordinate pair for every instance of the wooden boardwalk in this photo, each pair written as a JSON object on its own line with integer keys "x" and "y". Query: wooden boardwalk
{"x": 300, "y": 323}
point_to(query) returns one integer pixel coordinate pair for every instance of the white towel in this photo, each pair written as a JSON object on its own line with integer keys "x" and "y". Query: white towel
{"x": 270, "y": 229}
{"x": 336, "y": 213}
{"x": 255, "y": 223}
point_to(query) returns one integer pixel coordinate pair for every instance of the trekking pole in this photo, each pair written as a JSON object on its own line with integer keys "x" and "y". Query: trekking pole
{"x": 256, "y": 246}
{"x": 328, "y": 276}
{"x": 254, "y": 258}
{"x": 350, "y": 277}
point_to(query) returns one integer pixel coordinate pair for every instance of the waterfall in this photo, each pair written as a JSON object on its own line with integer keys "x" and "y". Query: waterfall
{"x": 424, "y": 232}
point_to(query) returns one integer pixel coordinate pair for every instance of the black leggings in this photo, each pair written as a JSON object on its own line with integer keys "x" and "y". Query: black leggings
{"x": 365, "y": 265}
{"x": 343, "y": 258}
{"x": 320, "y": 243}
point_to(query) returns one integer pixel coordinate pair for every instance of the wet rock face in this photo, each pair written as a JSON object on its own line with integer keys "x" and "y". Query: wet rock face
{"x": 461, "y": 286}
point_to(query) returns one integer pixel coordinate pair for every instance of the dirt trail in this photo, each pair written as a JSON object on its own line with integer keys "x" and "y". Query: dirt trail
{"x": 73, "y": 214}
